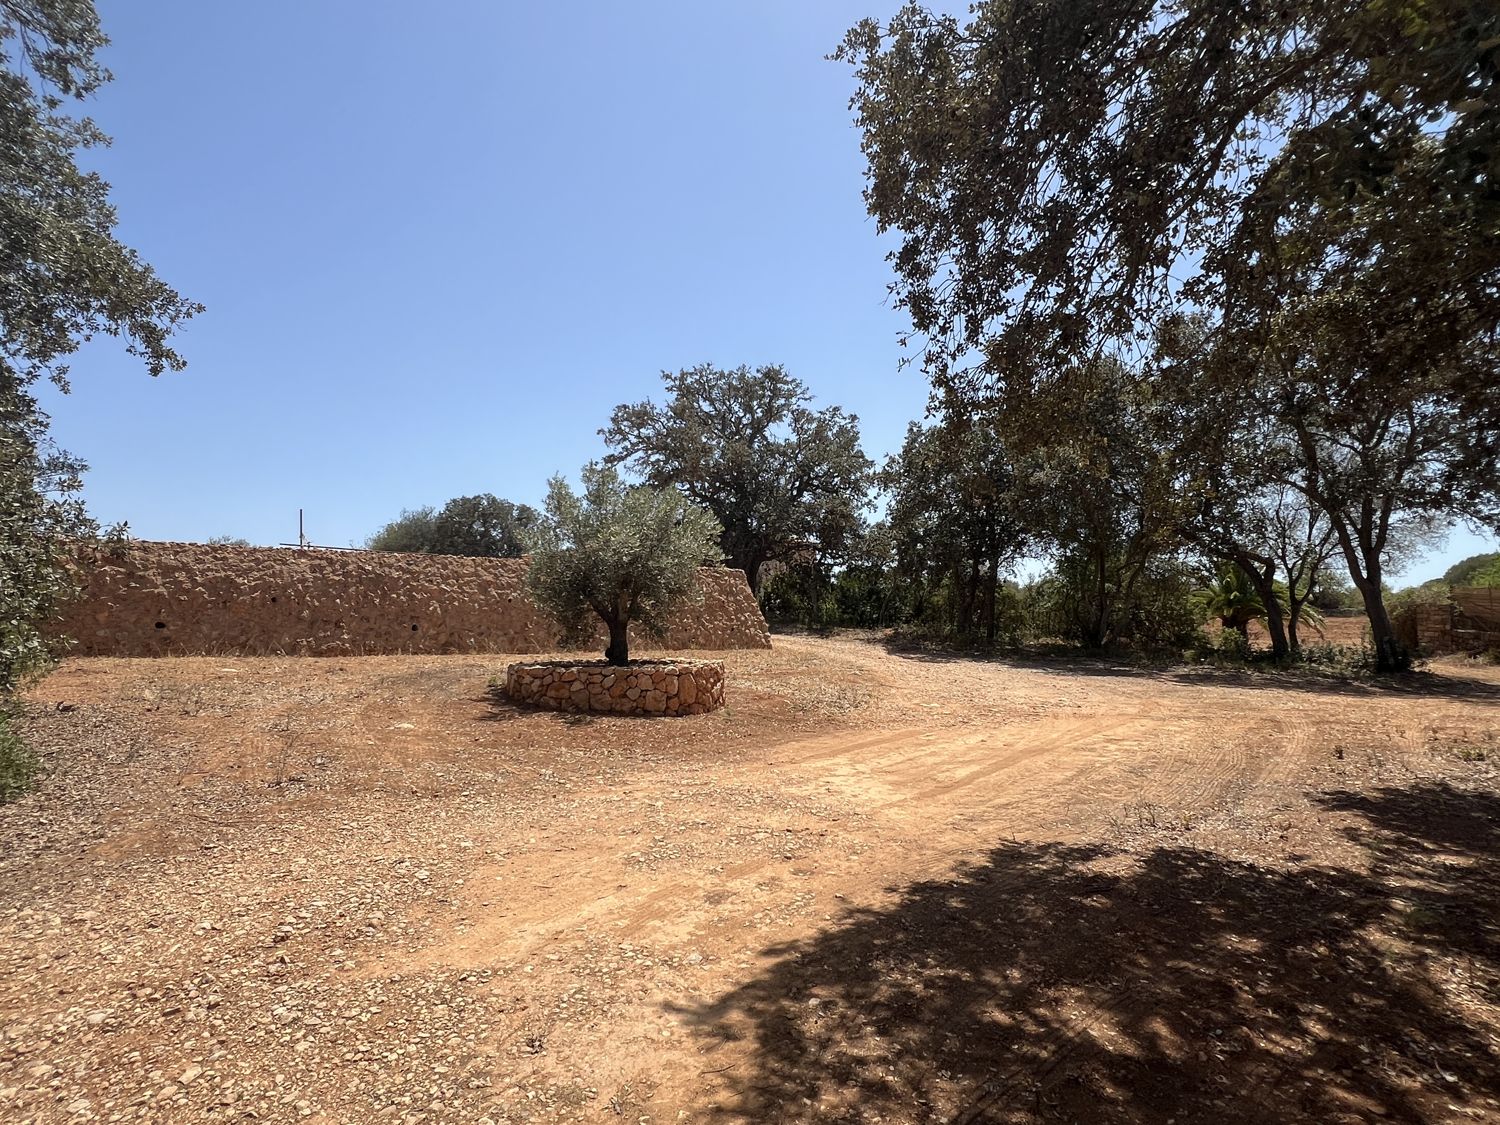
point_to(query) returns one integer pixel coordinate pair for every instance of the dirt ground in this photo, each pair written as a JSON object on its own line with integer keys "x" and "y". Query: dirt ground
{"x": 875, "y": 888}
{"x": 1351, "y": 630}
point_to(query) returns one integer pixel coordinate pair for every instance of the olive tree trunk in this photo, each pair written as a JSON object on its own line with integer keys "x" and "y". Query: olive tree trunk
{"x": 618, "y": 651}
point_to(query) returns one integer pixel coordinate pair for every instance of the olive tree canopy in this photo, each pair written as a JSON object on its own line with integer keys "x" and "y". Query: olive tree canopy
{"x": 616, "y": 553}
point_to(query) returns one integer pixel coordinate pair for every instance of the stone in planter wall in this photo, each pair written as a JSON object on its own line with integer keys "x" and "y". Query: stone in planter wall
{"x": 156, "y": 599}
{"x": 692, "y": 687}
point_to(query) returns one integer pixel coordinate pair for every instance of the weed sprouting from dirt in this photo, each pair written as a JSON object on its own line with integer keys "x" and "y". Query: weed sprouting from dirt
{"x": 285, "y": 738}
{"x": 1147, "y": 817}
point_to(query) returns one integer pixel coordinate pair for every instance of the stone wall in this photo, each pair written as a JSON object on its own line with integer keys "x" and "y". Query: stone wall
{"x": 1468, "y": 622}
{"x": 153, "y": 599}
{"x": 690, "y": 687}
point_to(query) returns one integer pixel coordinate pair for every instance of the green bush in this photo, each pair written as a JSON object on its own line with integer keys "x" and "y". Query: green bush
{"x": 1344, "y": 659}
{"x": 1476, "y": 570}
{"x": 1155, "y": 614}
{"x": 18, "y": 765}
{"x": 1334, "y": 593}
{"x": 800, "y": 595}
{"x": 1162, "y": 615}
{"x": 857, "y": 596}
{"x": 1435, "y": 592}
{"x": 1231, "y": 647}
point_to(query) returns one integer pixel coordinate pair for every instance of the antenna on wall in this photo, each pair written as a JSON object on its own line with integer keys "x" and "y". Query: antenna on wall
{"x": 304, "y": 544}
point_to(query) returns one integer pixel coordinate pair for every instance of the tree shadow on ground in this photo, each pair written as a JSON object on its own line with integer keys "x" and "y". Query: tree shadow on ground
{"x": 1424, "y": 682}
{"x": 502, "y": 709}
{"x": 1058, "y": 982}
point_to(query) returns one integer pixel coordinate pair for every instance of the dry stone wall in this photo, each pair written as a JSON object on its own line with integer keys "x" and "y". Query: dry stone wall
{"x": 688, "y": 687}
{"x": 1468, "y": 622}
{"x": 155, "y": 599}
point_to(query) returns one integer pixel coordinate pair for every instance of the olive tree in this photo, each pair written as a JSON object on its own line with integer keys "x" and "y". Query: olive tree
{"x": 616, "y": 553}
{"x": 64, "y": 278}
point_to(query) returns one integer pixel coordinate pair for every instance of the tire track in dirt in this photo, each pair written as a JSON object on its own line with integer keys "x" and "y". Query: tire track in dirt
{"x": 880, "y": 774}
{"x": 967, "y": 787}
{"x": 1011, "y": 769}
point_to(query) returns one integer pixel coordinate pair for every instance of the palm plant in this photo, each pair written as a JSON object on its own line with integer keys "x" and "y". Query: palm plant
{"x": 1234, "y": 600}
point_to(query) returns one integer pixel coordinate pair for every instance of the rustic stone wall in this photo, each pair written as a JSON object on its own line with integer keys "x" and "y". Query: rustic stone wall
{"x": 153, "y": 599}
{"x": 692, "y": 687}
{"x": 1468, "y": 622}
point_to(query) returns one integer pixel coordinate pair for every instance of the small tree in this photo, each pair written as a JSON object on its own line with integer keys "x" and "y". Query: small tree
{"x": 618, "y": 553}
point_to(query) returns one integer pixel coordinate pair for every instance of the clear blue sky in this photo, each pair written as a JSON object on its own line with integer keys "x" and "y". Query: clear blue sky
{"x": 438, "y": 243}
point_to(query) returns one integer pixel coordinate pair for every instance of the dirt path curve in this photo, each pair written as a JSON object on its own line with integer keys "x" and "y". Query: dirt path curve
{"x": 337, "y": 890}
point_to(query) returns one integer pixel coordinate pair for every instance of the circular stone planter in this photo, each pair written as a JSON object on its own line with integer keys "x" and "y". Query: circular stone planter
{"x": 644, "y": 687}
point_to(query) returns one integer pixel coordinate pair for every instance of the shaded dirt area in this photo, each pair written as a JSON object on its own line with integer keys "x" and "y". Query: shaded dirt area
{"x": 874, "y": 888}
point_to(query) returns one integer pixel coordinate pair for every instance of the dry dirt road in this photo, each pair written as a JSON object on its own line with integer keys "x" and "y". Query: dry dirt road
{"x": 875, "y": 888}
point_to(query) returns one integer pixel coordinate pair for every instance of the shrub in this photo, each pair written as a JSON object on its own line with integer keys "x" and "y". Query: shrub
{"x": 18, "y": 765}
{"x": 1231, "y": 647}
{"x": 1435, "y": 592}
{"x": 801, "y": 595}
{"x": 482, "y": 526}
{"x": 1343, "y": 659}
{"x": 1156, "y": 613}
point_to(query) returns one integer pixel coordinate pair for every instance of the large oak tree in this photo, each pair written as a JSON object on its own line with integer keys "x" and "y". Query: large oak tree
{"x": 1317, "y": 184}
{"x": 783, "y": 479}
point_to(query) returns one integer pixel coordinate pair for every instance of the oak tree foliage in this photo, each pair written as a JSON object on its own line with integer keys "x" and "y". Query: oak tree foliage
{"x": 1311, "y": 187}
{"x": 482, "y": 526}
{"x": 1063, "y": 173}
{"x": 782, "y": 478}
{"x": 64, "y": 278}
{"x": 952, "y": 515}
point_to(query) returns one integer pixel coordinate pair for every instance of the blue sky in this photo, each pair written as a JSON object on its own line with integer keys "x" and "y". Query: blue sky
{"x": 439, "y": 243}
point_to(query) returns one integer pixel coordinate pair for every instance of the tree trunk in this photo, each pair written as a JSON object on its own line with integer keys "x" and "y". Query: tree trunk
{"x": 1262, "y": 573}
{"x": 960, "y": 624}
{"x": 989, "y": 597}
{"x": 618, "y": 651}
{"x": 971, "y": 596}
{"x": 1390, "y": 653}
{"x": 1275, "y": 622}
{"x": 750, "y": 563}
{"x": 1364, "y": 572}
{"x": 1099, "y": 630}
{"x": 1295, "y": 602}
